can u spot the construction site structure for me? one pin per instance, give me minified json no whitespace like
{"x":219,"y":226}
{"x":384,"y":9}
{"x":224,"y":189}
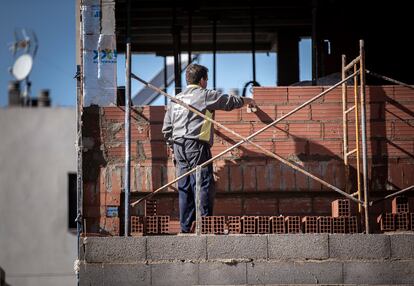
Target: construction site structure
{"x":306,"y":177}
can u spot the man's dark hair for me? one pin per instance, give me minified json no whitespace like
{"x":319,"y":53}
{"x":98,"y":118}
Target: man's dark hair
{"x":195,"y":73}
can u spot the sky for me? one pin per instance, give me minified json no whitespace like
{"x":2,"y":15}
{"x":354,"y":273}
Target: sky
{"x":54,"y":66}
{"x":55,"y":63}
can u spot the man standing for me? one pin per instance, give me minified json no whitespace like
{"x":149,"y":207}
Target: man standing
{"x":190,"y":137}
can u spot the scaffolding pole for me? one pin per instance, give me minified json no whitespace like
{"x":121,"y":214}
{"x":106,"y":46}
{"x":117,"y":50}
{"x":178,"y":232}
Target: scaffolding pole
{"x":357,"y":145}
{"x":79,"y":181}
{"x":127,"y":179}
{"x":360,"y":129}
{"x":364,"y":134}
{"x":79,"y":147}
{"x":389,"y":79}
{"x":392,"y":195}
{"x":198,"y":200}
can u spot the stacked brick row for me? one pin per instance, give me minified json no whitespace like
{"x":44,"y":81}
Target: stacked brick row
{"x":312,"y":138}
{"x":150,"y":225}
{"x":341,"y":221}
{"x":400,"y":218}
{"x":278,"y":224}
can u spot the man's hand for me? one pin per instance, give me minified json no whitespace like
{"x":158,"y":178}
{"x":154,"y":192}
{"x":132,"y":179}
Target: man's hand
{"x":173,"y":157}
{"x":170,"y":153}
{"x":251,"y":104}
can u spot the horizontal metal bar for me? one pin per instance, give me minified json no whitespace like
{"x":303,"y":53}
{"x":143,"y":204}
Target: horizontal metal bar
{"x":350,"y":109}
{"x":351,"y":64}
{"x":391,"y":195}
{"x":354,"y":194}
{"x":351,"y":152}
{"x":389,"y":79}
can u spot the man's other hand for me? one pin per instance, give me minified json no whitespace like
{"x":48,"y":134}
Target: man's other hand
{"x":251,"y":104}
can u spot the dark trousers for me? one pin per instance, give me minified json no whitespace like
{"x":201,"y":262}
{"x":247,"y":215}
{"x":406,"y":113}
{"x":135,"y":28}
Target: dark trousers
{"x":188,"y":154}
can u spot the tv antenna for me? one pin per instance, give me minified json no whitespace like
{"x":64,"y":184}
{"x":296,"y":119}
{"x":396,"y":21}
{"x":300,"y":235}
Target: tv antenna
{"x":24,"y":49}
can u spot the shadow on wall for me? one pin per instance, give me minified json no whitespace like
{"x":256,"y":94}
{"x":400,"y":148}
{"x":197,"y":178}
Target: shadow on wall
{"x":300,"y":151}
{"x":252,"y":183}
{"x":93,"y":158}
{"x":391,"y":130}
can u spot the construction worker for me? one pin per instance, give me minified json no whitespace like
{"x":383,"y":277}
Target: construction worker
{"x":190,"y":138}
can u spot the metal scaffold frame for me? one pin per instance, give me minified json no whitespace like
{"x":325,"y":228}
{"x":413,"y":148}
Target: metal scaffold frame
{"x":360,"y":127}
{"x":248,"y":139}
{"x":358,"y":75}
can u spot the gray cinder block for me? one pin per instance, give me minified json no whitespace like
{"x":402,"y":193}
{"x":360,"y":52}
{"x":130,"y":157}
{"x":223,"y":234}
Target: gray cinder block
{"x":298,"y":246}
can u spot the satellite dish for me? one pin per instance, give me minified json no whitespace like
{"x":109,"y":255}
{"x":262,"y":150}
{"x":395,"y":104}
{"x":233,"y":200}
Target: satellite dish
{"x":22,"y":66}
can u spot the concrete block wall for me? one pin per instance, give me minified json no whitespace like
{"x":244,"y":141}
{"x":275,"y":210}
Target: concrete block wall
{"x":249,"y":260}
{"x":248,"y":182}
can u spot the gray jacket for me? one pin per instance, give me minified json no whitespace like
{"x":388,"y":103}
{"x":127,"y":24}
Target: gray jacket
{"x":180,"y":122}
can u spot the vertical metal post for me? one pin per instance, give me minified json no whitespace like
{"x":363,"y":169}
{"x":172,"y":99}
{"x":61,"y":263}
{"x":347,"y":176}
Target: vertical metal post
{"x":253,"y":34}
{"x":345,"y":122}
{"x":127,"y":135}
{"x":214,"y":51}
{"x":198,"y":200}
{"x":165,"y":79}
{"x":79,"y":188}
{"x":79,"y":149}
{"x":190,"y":27}
{"x":315,"y":45}
{"x":177,"y":51}
{"x":357,"y":132}
{"x":364,"y":134}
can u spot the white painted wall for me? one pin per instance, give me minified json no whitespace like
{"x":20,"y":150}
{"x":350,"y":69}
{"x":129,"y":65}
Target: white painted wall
{"x":37,"y":151}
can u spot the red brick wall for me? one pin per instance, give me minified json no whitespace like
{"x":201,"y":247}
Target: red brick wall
{"x":248,"y":182}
